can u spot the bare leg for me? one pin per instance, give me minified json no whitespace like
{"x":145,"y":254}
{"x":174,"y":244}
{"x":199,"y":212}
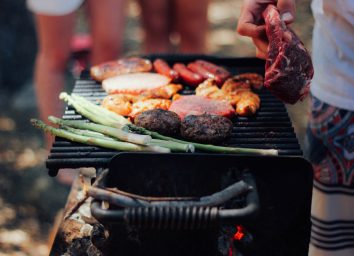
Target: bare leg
{"x":107,"y":20}
{"x":156,"y":24}
{"x":54,"y":34}
{"x":192,"y":24}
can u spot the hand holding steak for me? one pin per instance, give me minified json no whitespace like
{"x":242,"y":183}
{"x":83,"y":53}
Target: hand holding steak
{"x":288,"y":67}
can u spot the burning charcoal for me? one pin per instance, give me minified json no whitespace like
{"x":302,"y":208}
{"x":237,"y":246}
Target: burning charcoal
{"x":98,"y":236}
{"x":79,"y":246}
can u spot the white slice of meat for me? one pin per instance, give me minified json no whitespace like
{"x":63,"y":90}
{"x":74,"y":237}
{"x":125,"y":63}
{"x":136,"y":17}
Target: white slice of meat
{"x":135,"y":83}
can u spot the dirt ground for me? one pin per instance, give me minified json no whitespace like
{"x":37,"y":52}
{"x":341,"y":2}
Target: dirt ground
{"x":29,"y":198}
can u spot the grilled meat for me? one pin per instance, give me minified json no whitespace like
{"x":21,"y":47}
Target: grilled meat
{"x":253,"y":79}
{"x":162,"y":121}
{"x":208,"y":129}
{"x":118,"y":103}
{"x":136,"y":83}
{"x":247,"y":103}
{"x":237,"y":93}
{"x":210,"y":90}
{"x":148,"y":104}
{"x":234,"y":84}
{"x":220,"y":74}
{"x":162,"y":67}
{"x":198,"y":105}
{"x":119,"y":67}
{"x":187,"y":75}
{"x":164,"y":92}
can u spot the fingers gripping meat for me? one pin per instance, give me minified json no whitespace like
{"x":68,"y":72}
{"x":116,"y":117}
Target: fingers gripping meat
{"x":162,"y":67}
{"x":118,"y":67}
{"x":187,"y":75}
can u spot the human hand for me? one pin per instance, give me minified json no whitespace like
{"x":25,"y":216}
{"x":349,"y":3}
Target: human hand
{"x":251,"y":22}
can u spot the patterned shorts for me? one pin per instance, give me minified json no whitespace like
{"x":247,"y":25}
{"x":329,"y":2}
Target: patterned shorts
{"x":331,"y":143}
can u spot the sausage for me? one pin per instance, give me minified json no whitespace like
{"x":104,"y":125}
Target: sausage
{"x":219,"y":72}
{"x":187,"y":75}
{"x":163,"y":68}
{"x":203,"y":72}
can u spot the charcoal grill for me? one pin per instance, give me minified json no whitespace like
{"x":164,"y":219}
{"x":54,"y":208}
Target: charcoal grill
{"x":284,"y":183}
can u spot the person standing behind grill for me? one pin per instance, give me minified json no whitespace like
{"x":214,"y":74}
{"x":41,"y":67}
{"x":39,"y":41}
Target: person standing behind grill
{"x":55,"y":21}
{"x":161,"y":19}
{"x":331,"y":123}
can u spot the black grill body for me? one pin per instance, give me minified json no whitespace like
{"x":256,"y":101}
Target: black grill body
{"x":284,"y":183}
{"x":281,"y":226}
{"x":270,"y":128}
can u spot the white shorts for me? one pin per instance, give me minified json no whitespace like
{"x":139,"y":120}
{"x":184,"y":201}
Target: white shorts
{"x":53,"y":7}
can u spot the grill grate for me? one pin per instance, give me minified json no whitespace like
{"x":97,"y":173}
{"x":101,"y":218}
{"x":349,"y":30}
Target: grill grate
{"x":270,"y":128}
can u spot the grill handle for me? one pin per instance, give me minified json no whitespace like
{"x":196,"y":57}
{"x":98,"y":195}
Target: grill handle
{"x":180,"y":214}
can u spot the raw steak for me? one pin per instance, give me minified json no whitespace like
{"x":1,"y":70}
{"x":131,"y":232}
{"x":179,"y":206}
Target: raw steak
{"x":288,"y":67}
{"x":199,"y":105}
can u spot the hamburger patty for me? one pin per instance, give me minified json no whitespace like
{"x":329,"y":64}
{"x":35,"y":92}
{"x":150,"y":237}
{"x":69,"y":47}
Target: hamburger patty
{"x":162,"y":121}
{"x":209,"y":129}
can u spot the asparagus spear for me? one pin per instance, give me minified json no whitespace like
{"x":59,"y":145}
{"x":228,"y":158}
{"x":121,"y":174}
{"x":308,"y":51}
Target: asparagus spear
{"x":116,"y":145}
{"x":87,"y":133}
{"x":173,"y":146}
{"x":206,"y":147}
{"x":110,"y":131}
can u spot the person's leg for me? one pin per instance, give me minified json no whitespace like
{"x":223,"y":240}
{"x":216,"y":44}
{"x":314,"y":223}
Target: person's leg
{"x":156,"y":23}
{"x":107,"y":20}
{"x":331,"y":153}
{"x":192,"y":24}
{"x":54,"y":34}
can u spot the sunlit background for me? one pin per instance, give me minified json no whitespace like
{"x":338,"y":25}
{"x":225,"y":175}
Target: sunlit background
{"x":29,"y":198}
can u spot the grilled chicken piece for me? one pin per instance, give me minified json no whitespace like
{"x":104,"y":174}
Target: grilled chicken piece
{"x":164,"y":92}
{"x":148,"y":104}
{"x":247,"y":103}
{"x":120,"y":103}
{"x":233,"y":85}
{"x":254,"y":79}
{"x":237,"y":93}
{"x":124,"y":104}
{"x":119,"y":67}
{"x":243,"y":81}
{"x":210,"y":89}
